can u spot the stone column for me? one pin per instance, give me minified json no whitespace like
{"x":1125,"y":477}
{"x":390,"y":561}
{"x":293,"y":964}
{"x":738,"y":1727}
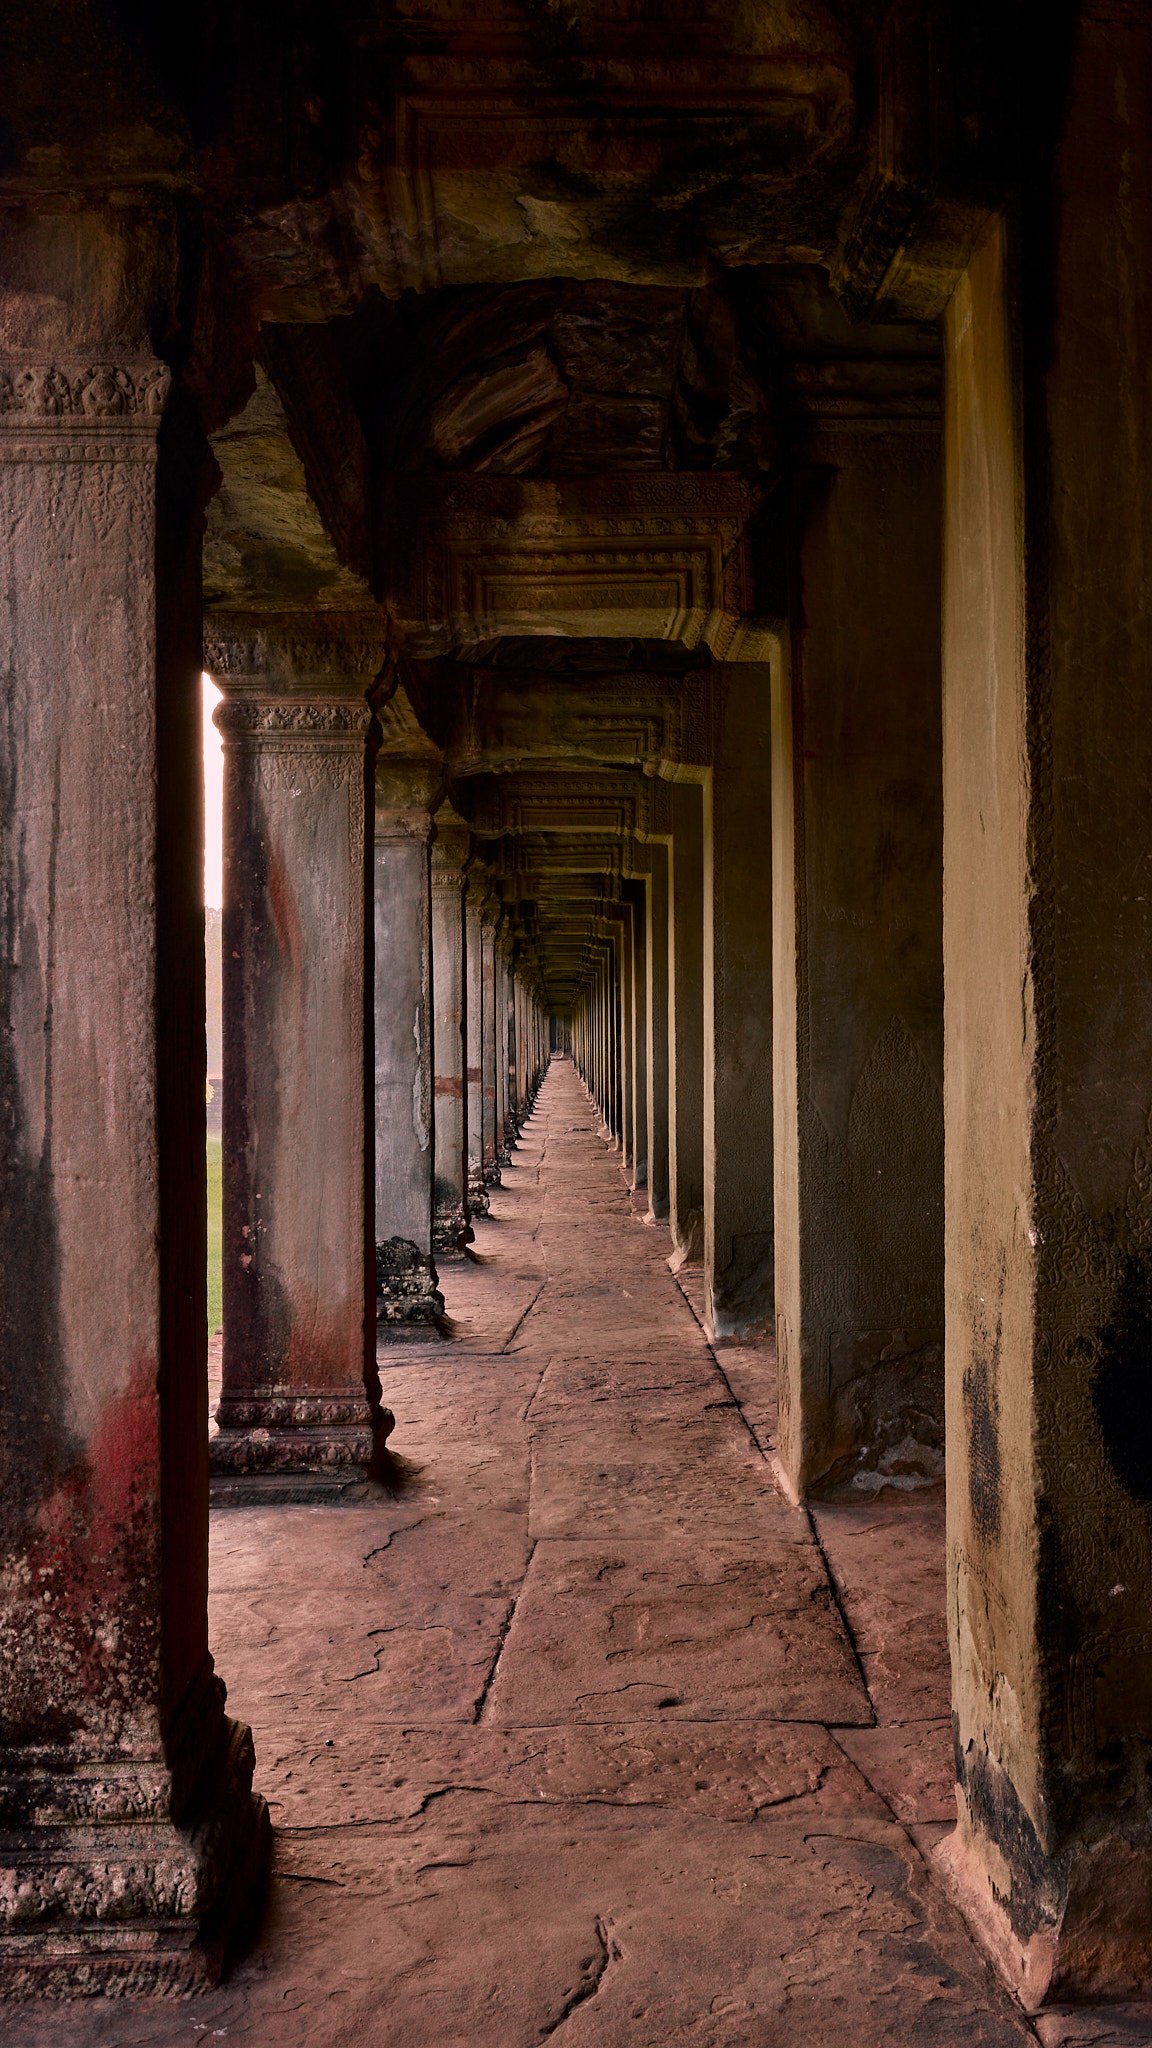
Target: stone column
{"x":856,"y":860}
{"x":615,"y":1033}
{"x":523,"y":1048}
{"x":489,"y":1038}
{"x":738,"y":1246}
{"x":513,"y":1048}
{"x":505,"y":1135}
{"x":407,"y":1291}
{"x":627,"y":1059}
{"x":639,"y":905}
{"x":130,"y":1841}
{"x":1048,"y":1049}
{"x":450,"y":850}
{"x":300,"y":1392}
{"x":653,"y":859}
{"x":475,"y":896}
{"x":686,"y":1026}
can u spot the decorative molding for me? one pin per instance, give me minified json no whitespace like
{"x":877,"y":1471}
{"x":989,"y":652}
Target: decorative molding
{"x":79,"y":392}
{"x":661,"y":557}
{"x":104,"y":1887}
{"x":292,"y":721}
{"x":327,"y":653}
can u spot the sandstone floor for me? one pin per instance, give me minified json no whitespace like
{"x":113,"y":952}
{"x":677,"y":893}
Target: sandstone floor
{"x":586,"y":1735}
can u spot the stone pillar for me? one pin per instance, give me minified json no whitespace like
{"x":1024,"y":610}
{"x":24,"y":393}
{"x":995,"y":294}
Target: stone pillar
{"x":627,"y":1060}
{"x":130,"y":1842}
{"x":639,"y":905}
{"x":654,"y":858}
{"x":1048,"y":1052}
{"x":615,"y":1033}
{"x":300,"y":1392}
{"x":513,"y":1049}
{"x":505,"y":1135}
{"x":489,"y":1039}
{"x":856,"y":862}
{"x":407,"y":1292}
{"x":475,"y":895}
{"x":450,"y":849}
{"x":738,"y":1247}
{"x":686,"y":1026}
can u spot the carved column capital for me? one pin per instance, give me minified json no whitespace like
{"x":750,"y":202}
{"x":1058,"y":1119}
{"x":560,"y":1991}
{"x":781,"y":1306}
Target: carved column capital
{"x":254,"y":717}
{"x":451,"y":849}
{"x":80,"y":408}
{"x":285,"y":655}
{"x":405,"y":794}
{"x":478,"y":884}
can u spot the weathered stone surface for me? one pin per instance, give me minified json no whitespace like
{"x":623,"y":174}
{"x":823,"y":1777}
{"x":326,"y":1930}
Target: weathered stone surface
{"x":602,"y":1633}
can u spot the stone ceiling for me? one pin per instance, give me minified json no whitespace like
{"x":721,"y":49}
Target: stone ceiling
{"x":516,"y":316}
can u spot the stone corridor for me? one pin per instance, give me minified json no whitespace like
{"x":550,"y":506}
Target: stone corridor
{"x":586,"y":1733}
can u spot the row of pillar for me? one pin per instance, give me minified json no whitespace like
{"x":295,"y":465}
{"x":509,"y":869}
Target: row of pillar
{"x":128,"y":1830}
{"x":376,"y":1067}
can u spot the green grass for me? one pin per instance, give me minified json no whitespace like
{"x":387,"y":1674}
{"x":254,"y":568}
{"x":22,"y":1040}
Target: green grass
{"x":215,"y":1247}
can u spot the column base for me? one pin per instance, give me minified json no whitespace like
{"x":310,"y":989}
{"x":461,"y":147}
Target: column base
{"x":451,"y":1230}
{"x":1088,"y":1941}
{"x":406,"y":1289}
{"x":131,"y":1878}
{"x":492,"y":1174}
{"x":688,"y":1243}
{"x":478,"y":1203}
{"x":268,"y":1431}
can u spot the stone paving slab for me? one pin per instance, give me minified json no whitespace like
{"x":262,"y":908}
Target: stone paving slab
{"x":366,"y":1772}
{"x":910,"y":1765}
{"x":735,"y":1630}
{"x":483,"y":1925}
{"x":696,"y":1476}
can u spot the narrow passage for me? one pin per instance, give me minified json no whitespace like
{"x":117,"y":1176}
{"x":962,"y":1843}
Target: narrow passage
{"x":573,"y":1739}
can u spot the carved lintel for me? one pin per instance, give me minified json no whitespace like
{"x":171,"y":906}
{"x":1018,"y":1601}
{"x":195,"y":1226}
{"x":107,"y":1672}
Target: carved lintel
{"x":660,"y":557}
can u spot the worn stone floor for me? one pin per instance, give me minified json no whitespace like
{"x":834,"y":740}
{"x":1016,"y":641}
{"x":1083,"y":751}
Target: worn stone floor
{"x":586,"y":1734}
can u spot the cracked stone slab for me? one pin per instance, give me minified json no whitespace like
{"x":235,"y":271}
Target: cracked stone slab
{"x":750,"y":1370}
{"x":622,"y":1477}
{"x":368,"y":1774}
{"x":254,"y":1548}
{"x":910,"y":1765}
{"x":305,"y":1659}
{"x":888,"y":1559}
{"x":630,"y":1930}
{"x":656,"y":1387}
{"x":735,"y":1630}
